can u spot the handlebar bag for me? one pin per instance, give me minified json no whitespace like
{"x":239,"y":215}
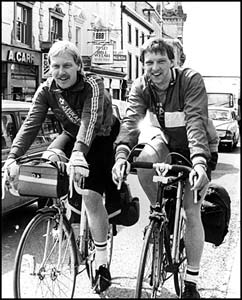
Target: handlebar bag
{"x":43,"y":179}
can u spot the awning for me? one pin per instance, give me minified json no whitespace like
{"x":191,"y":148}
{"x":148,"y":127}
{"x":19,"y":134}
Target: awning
{"x":110,"y":73}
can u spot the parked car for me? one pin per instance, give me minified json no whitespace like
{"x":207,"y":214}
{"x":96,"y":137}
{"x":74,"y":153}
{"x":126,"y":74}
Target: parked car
{"x":13,"y":115}
{"x":221,"y":99}
{"x":226,"y":124}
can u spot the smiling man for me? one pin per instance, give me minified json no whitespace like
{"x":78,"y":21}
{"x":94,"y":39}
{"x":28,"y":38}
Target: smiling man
{"x":177,"y":98}
{"x":89,"y":128}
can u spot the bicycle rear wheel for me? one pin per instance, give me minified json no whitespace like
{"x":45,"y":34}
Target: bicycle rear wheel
{"x":181,"y":262}
{"x":45,"y":263}
{"x":151,"y":272}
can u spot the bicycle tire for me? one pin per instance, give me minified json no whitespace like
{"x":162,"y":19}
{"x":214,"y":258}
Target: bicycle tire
{"x":181,"y":263}
{"x":38,"y":278}
{"x":152,"y":267}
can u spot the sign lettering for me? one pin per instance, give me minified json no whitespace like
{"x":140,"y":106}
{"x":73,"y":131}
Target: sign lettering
{"x":21,"y":57}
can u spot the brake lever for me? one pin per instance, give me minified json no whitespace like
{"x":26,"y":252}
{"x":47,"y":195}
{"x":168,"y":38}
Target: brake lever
{"x":123,"y":168}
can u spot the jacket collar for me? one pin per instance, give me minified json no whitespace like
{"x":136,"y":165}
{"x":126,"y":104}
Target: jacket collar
{"x":78,"y":86}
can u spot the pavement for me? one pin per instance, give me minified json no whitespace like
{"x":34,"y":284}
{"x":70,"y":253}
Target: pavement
{"x":234,"y":285}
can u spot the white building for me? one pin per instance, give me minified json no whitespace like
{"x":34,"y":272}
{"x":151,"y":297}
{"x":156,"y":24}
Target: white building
{"x":108,"y":34}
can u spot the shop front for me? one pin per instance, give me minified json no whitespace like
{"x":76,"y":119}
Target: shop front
{"x":20,"y":73}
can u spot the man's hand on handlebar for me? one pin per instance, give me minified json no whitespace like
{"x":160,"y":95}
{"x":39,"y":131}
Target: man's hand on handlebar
{"x":10,"y":172}
{"x":198,"y":177}
{"x":77,"y":169}
{"x":120,"y":170}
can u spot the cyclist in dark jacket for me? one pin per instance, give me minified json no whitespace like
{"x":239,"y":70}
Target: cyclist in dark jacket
{"x":177,"y":99}
{"x":79,"y":101}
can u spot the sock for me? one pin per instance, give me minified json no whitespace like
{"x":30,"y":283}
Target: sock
{"x":101,"y":254}
{"x":192,"y":274}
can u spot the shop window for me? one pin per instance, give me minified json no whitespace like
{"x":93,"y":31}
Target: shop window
{"x":23,"y":24}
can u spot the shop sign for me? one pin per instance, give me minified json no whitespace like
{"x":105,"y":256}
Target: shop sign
{"x":45,"y":66}
{"x":102,"y":54}
{"x":100,"y":36}
{"x":120,"y":59}
{"x":21,"y":57}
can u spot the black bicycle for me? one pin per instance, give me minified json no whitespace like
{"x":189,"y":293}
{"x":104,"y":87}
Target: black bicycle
{"x":163,"y":253}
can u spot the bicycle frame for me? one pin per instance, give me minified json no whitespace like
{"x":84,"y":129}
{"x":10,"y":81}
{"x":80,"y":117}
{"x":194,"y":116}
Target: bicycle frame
{"x":170,"y":255}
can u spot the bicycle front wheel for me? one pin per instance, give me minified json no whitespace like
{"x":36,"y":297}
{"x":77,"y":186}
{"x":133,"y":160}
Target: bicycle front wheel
{"x":46,"y":259}
{"x":152,"y":262}
{"x":181,"y":261}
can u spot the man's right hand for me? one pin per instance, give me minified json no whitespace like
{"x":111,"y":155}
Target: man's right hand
{"x":11,"y":167}
{"x":117,"y":170}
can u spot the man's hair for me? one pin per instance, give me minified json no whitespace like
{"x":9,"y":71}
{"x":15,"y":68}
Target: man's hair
{"x":156,"y":45}
{"x":61,"y":47}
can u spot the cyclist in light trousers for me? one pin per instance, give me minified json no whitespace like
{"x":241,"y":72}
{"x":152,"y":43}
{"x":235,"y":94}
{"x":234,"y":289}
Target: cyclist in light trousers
{"x":177,"y":99}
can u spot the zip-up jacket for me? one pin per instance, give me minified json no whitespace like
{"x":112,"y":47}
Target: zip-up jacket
{"x":183,"y":116}
{"x":88,"y":113}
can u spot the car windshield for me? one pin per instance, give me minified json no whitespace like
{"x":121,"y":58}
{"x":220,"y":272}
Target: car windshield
{"x":221,"y":115}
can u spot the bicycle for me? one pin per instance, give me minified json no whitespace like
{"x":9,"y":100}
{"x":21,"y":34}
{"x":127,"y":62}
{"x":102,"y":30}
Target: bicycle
{"x":163,"y":251}
{"x":49,"y":257}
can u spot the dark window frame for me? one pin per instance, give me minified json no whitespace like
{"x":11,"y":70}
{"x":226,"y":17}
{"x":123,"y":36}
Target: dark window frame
{"x":137,"y":66}
{"x":130,"y":65}
{"x":129,"y":33}
{"x":136,"y":37}
{"x":23,"y":27}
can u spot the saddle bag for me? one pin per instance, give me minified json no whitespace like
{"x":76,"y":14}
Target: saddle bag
{"x":215,"y":213}
{"x":43,"y":179}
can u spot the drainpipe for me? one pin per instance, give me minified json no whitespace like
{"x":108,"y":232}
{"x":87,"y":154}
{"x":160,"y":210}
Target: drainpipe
{"x":121,"y":21}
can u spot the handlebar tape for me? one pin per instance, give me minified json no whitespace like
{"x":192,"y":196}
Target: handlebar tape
{"x":142,"y":164}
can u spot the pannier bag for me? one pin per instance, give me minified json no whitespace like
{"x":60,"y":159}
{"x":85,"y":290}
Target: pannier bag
{"x":215,"y":213}
{"x":122,"y":208}
{"x":43,"y":178}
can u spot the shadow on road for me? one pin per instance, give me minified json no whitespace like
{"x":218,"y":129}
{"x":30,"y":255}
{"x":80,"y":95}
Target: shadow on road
{"x":13,"y":225}
{"x":117,"y":291}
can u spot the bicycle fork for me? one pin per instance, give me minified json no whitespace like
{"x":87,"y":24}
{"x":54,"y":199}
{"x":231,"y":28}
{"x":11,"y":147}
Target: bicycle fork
{"x":177,"y":225}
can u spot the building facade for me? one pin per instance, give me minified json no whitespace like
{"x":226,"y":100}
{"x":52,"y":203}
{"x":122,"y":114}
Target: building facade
{"x":108,"y":34}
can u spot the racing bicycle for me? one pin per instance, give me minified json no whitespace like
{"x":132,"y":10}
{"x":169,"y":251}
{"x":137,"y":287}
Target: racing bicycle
{"x":163,"y":252}
{"x":49,"y":257}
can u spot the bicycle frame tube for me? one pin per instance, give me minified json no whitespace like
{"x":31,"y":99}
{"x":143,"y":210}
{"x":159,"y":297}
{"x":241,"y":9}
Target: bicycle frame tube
{"x":177,"y":223}
{"x":83,"y":228}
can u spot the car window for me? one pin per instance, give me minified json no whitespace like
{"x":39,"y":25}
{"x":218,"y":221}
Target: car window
{"x":8,"y":130}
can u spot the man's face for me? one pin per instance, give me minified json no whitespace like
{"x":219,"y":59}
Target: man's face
{"x":157,"y":67}
{"x":64,"y":70}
